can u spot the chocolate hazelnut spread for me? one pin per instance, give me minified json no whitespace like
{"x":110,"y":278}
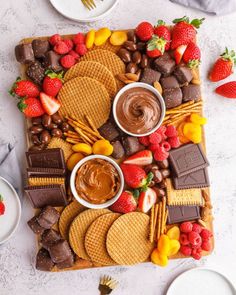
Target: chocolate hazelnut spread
{"x":97,"y":181}
{"x":138,"y":110}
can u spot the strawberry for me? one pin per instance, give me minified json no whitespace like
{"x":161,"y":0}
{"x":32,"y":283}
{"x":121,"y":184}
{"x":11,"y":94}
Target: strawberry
{"x":24,"y":88}
{"x":178,"y":53}
{"x":67,"y":61}
{"x":227,"y":89}
{"x":161,"y":30}
{"x":2,"y":206}
{"x":50,"y":104}
{"x":81,"y":49}
{"x":61,"y":48}
{"x":52,"y":83}
{"x":135,"y":176}
{"x":79,"y":39}
{"x":192,"y":55}
{"x":141,"y":158}
{"x":156,"y":46}
{"x":223,"y":67}
{"x":144,"y":31}
{"x":147,"y":199}
{"x":54,"y":39}
{"x":125,"y":204}
{"x":184,"y":32}
{"x":31,"y":107}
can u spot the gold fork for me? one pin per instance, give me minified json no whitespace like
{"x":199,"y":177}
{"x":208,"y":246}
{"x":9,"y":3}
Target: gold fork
{"x":107,"y":285}
{"x":89,"y":4}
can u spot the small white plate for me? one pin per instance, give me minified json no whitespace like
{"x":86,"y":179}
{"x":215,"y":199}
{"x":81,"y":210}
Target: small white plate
{"x":75,"y":9}
{"x":11,"y":218}
{"x":202,"y":281}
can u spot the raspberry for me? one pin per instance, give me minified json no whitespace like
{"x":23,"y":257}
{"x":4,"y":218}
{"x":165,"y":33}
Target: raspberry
{"x":186,"y":227}
{"x":198,"y":245}
{"x":144,"y":140}
{"x":67,"y":61}
{"x":153,"y":147}
{"x":81,"y":49}
{"x":161,"y":154}
{"x":155,"y":138}
{"x":206,"y":246}
{"x":206,"y":234}
{"x":171,"y":131}
{"x":61,"y":48}
{"x":79,"y":39}
{"x":54,"y":39}
{"x":196,"y":254}
{"x":69,"y":44}
{"x":185,"y":250}
{"x":75,"y":54}
{"x":183,"y":239}
{"x":165,"y":145}
{"x":174,"y":142}
{"x":197,"y":228}
{"x":162,"y":131}
{"x":194,"y":238}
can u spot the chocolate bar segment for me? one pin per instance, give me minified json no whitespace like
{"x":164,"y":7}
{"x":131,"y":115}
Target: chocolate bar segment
{"x":49,"y":237}
{"x":172,"y":97}
{"x":34,"y":226}
{"x":51,"y":61}
{"x":195,"y":179}
{"x":118,"y":150}
{"x":187,"y":158}
{"x":149,"y":76}
{"x":50,"y":158}
{"x":41,"y":196}
{"x":24,"y":53}
{"x":109,"y":131}
{"x":164,"y":64}
{"x":44,"y":261}
{"x":132,"y":145}
{"x":191,"y":92}
{"x":66,"y":263}
{"x":45,"y":172}
{"x":60,"y":251}
{"x":178,"y":214}
{"x":40,"y":47}
{"x":48,"y":217}
{"x":169,"y":82}
{"x":183,"y":74}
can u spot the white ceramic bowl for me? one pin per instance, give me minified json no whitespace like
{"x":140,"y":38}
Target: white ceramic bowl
{"x":84,"y":202}
{"x":150,"y":88}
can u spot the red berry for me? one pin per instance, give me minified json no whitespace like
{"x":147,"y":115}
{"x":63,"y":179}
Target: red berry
{"x":161,"y":154}
{"x":24,"y":88}
{"x":185,"y":250}
{"x":69,"y":43}
{"x":196,"y":254}
{"x":74,"y":54}
{"x":183,"y":239}
{"x":144,"y":140}
{"x":206,"y":245}
{"x":206,"y":234}
{"x":153,"y":53}
{"x":67,"y":61}
{"x":194,"y":238}
{"x":165,"y":145}
{"x":79,"y":39}
{"x":162,"y":131}
{"x":174,"y":142}
{"x":155,"y":138}
{"x":54,"y":39}
{"x":161,"y":30}
{"x":144,"y":31}
{"x":61,"y":48}
{"x":197,"y":228}
{"x":81,"y":49}
{"x":171,"y":131}
{"x":227,"y":90}
{"x":186,"y":227}
{"x":153,"y":147}
{"x":52,"y":83}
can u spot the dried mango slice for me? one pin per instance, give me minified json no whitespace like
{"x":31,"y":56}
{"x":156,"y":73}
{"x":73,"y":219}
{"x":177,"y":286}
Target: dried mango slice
{"x":118,"y":38}
{"x":158,"y":258}
{"x":163,"y":244}
{"x":102,"y":147}
{"x":73,"y":160}
{"x":101,"y":36}
{"x":197,"y":119}
{"x":173,"y":233}
{"x":90,"y":37}
{"x":181,"y":136}
{"x":193,"y":132}
{"x":174,"y":247}
{"x":83,"y":148}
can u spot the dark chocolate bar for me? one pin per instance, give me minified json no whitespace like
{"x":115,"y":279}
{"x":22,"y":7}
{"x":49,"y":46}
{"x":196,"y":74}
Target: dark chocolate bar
{"x":50,"y":158}
{"x":178,"y":214}
{"x":195,"y":179}
{"x":187,"y":159}
{"x":52,"y":195}
{"x":45,"y":172}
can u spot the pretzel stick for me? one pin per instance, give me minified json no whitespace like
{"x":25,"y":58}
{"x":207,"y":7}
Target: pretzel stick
{"x":155,"y":221}
{"x":165,"y":219}
{"x":75,"y":136}
{"x":71,"y":140}
{"x":175,"y":120}
{"x":92,"y":125}
{"x":84,"y":136}
{"x":182,"y":111}
{"x":159,"y":221}
{"x":151,"y":225}
{"x":163,"y":214}
{"x":85,"y":128}
{"x":191,"y":102}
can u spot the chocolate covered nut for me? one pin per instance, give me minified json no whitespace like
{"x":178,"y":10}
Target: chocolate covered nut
{"x":165,"y":173}
{"x":141,"y":46}
{"x":131,"y":68}
{"x":149,"y":167}
{"x":52,"y":126}
{"x":51,"y":61}
{"x":36,"y":148}
{"x":35,"y":72}
{"x":130,"y":45}
{"x":60,"y":251}
{"x":164,"y":64}
{"x":144,"y":61}
{"x":136,"y":57}
{"x":36,"y":120}
{"x":169,"y":82}
{"x":66,"y":263}
{"x":56,"y":132}
{"x":36,"y":129}
{"x":65,"y":127}
{"x":40,"y":47}
{"x":34,"y":226}
{"x":108,"y":131}
{"x":44,"y":261}
{"x":48,"y":217}
{"x":56,"y":118}
{"x":162,"y":184}
{"x":49,"y":237}
{"x":131,"y":145}
{"x":46,"y":120}
{"x":172,"y":97}
{"x":35,"y":139}
{"x":45,"y":137}
{"x":191,"y":92}
{"x":24,"y":53}
{"x":159,"y":191}
{"x":124,"y":54}
{"x":163,"y":164}
{"x":149,"y":76}
{"x":157,"y":175}
{"x":183,"y":74}
{"x":118,"y":150}
{"x":131,"y":36}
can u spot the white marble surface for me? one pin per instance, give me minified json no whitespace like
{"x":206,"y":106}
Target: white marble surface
{"x":23,"y":18}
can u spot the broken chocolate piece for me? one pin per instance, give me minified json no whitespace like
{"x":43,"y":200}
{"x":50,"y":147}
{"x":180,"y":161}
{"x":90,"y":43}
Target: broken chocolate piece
{"x":44,"y":261}
{"x":169,"y":82}
{"x":34,"y":226}
{"x":132,"y":145}
{"x":178,"y":214}
{"x":35,"y":72}
{"x":197,"y":179}
{"x":48,"y":217}
{"x":118,"y":150}
{"x":51,"y":61}
{"x":66,"y":263}
{"x":149,"y":76}
{"x":49,"y":237}
{"x":183,"y":74}
{"x":40,"y":47}
{"x":60,"y":251}
{"x":191,"y":92}
{"x":164,"y":64}
{"x":172,"y":97}
{"x":108,"y":131}
{"x":24,"y":53}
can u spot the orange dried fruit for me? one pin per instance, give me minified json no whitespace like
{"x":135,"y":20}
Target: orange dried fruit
{"x":197,"y":119}
{"x":101,"y":36}
{"x":193,"y":132}
{"x":163,"y":244}
{"x":83,"y":148}
{"x":158,"y":258}
{"x":173,"y":233}
{"x":73,"y":160}
{"x":102,"y":147}
{"x":90,"y":37}
{"x":118,"y":38}
{"x":174,"y":247}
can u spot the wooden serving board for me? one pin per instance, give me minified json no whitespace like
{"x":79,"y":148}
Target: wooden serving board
{"x":81,"y":263}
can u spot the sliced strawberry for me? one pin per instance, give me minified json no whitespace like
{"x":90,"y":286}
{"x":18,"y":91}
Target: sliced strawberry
{"x":50,"y":104}
{"x":2,"y":206}
{"x":147,"y":199}
{"x":227,"y":90}
{"x":141,"y":158}
{"x":125,"y":204}
{"x":178,"y":53}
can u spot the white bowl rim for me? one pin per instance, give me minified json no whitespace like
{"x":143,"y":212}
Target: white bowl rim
{"x":84,"y":202}
{"x":153,"y":90}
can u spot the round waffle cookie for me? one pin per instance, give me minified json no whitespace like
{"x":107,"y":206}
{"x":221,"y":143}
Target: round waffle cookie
{"x":85,"y":96}
{"x":79,"y":227}
{"x":95,"y":239}
{"x":108,"y":46}
{"x":127,"y":239}
{"x":93,"y":70}
{"x":67,"y":216}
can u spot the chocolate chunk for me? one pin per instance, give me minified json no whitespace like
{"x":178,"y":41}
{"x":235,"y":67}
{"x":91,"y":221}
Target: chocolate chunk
{"x":187,"y":159}
{"x":44,"y":261}
{"x":191,"y":92}
{"x":132,"y":145}
{"x":50,"y":158}
{"x":60,"y":251}
{"x":195,"y":179}
{"x":183,"y":74}
{"x":51,"y":61}
{"x":40,"y":47}
{"x":49,"y":237}
{"x":163,"y":164}
{"x":164,"y":64}
{"x":66,"y":263}
{"x":149,"y":76}
{"x":24,"y":53}
{"x":45,"y":172}
{"x":48,"y":217}
{"x":178,"y":214}
{"x":172,"y":97}
{"x":34,"y":226}
{"x":169,"y":82}
{"x":118,"y":150}
{"x":108,"y":131}
{"x":35,"y":72}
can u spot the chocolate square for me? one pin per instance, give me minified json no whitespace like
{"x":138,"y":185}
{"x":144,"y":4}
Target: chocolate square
{"x":132,"y":145}
{"x":60,"y":251}
{"x":172,"y":97}
{"x":183,"y":74}
{"x":51,"y":61}
{"x":40,"y":47}
{"x":66,"y":263}
{"x":48,"y":217}
{"x":118,"y":150}
{"x":45,"y":172}
{"x":44,"y":261}
{"x":49,"y":237}
{"x":178,"y":214}
{"x":24,"y":53}
{"x":149,"y":76}
{"x":197,"y":179}
{"x":169,"y":82}
{"x":36,"y":72}
{"x":108,"y":131}
{"x":164,"y":64}
{"x":191,"y":92}
{"x":34,"y":226}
